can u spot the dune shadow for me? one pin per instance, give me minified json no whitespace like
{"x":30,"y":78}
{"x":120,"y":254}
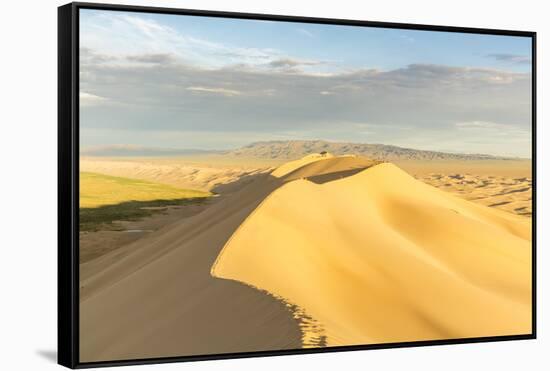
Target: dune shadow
{"x":222,"y":309}
{"x":329,"y":177}
{"x":237,"y":184}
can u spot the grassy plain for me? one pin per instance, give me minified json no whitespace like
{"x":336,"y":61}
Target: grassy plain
{"x":105,"y":199}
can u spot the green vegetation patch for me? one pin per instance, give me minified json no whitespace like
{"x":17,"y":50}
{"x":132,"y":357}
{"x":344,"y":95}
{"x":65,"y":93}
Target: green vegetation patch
{"x":99,"y":190}
{"x":105,"y":199}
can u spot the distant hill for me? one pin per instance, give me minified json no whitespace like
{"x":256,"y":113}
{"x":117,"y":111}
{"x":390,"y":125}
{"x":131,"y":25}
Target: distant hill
{"x":298,"y":148}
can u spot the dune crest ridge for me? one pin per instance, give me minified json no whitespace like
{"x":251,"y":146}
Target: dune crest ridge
{"x":376,"y":256}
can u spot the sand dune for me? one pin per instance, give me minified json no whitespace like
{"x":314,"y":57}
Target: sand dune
{"x":380,"y":257}
{"x":332,"y":251}
{"x":291,"y":166}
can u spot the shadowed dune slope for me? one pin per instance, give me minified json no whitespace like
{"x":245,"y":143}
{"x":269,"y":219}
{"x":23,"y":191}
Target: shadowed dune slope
{"x":156,"y":297}
{"x":381,"y":257}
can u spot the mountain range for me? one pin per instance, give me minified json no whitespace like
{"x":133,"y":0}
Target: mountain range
{"x":290,"y":150}
{"x":298,"y":148}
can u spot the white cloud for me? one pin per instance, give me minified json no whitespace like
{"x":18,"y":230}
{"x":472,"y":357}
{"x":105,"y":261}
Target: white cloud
{"x":291,"y":62}
{"x":305,"y":32}
{"x":87,"y":99}
{"x":493,"y":127}
{"x":511,"y":58}
{"x":159,"y":58}
{"x":217,"y":91}
{"x":148,"y":27}
{"x":299,"y":66}
{"x":117,"y":39}
{"x":477,"y":125}
{"x":118,"y":35}
{"x":407,"y":38}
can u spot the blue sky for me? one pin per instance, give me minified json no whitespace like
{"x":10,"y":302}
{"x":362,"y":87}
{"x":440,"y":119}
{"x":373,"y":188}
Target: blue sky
{"x":199,"y":82}
{"x":350,"y":46}
{"x":358,"y":46}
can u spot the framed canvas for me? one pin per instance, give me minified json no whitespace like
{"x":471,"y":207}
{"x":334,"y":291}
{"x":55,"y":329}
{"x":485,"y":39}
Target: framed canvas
{"x":240,"y":185}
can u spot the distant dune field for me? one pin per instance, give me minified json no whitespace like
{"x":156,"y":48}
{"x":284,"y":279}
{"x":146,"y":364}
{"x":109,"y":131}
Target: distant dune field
{"x":511,"y":194}
{"x":368,"y":253}
{"x":204,"y":173}
{"x":503,"y":168}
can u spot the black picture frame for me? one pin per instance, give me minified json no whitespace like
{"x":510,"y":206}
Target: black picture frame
{"x":68,"y":181}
